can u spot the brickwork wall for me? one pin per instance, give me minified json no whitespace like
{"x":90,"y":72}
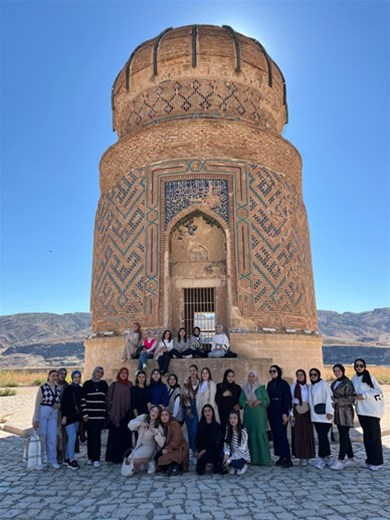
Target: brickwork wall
{"x":202,"y":134}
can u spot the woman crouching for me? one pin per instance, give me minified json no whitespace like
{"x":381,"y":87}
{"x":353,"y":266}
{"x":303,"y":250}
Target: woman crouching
{"x":209,"y":442}
{"x":150,"y":439}
{"x":173,"y":458}
{"x":236,"y":450}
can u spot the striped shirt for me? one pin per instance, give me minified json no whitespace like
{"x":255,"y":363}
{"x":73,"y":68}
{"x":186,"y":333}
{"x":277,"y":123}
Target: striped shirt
{"x":238,"y":451}
{"x":93,"y":400}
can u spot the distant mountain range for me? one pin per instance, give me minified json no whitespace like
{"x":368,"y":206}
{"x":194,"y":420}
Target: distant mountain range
{"x":43,"y":339}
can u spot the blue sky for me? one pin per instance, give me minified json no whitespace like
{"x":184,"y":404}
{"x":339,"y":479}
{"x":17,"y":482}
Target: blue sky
{"x":58,"y":63}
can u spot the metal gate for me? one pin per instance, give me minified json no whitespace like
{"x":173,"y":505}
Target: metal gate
{"x":199,"y":311}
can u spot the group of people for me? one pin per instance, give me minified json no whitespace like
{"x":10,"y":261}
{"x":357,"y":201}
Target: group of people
{"x":147,"y":347}
{"x":145,"y":420}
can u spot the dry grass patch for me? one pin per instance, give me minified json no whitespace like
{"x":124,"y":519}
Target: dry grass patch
{"x":12,"y":378}
{"x":381,"y":373}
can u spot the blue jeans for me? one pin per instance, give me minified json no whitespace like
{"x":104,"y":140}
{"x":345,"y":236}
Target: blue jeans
{"x":71,"y":431}
{"x":48,"y":417}
{"x":191,"y":425}
{"x":142,"y":359}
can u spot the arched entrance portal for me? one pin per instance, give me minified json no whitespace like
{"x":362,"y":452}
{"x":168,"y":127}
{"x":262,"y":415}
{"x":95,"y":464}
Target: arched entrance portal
{"x":198,"y":273}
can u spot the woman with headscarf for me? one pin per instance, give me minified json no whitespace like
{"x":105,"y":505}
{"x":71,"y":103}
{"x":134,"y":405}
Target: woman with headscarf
{"x":227,"y":397}
{"x":94,"y":410}
{"x":206,"y":393}
{"x":343,"y":399}
{"x":219,"y":343}
{"x":321,"y":412}
{"x":174,"y":398}
{"x":174,"y":455}
{"x":302,"y":435}
{"x":71,"y":417}
{"x":195,"y":345}
{"x":254,"y":400}
{"x":45,"y":418}
{"x":369,"y":408}
{"x":278,"y":415}
{"x":150,"y":439}
{"x":209,"y":441}
{"x":133,"y":340}
{"x":119,"y":413}
{"x":145,"y":350}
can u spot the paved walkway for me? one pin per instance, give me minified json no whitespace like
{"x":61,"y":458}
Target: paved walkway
{"x":262,"y":493}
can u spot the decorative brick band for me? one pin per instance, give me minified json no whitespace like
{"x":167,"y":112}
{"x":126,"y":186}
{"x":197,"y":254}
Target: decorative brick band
{"x":198,"y":97}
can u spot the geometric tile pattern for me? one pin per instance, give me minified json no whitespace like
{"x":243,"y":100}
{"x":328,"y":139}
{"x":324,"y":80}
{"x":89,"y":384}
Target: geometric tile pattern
{"x":196,"y":97}
{"x":118,"y":270}
{"x":261,"y":212}
{"x":282,"y":278}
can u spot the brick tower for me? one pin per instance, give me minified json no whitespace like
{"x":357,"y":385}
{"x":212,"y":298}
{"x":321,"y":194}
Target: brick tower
{"x":201,"y":213}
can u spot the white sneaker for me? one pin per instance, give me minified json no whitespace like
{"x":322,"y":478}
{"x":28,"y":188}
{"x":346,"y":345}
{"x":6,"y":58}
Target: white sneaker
{"x":374,"y":468}
{"x":151,"y":467}
{"x":90,"y":462}
{"x":55,"y":466}
{"x":232,"y":471}
{"x":144,"y":366}
{"x":320,"y":464}
{"x":96,"y":464}
{"x":242,"y":470}
{"x":366,"y":466}
{"x":338,"y":465}
{"x":349,"y":463}
{"x":137,"y":372}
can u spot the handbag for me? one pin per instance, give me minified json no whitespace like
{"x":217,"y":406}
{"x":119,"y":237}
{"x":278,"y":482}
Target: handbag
{"x":302,"y":408}
{"x":127,"y":468}
{"x":320,"y":408}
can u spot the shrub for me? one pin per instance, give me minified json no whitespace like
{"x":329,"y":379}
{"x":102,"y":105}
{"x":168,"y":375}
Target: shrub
{"x":6,"y":392}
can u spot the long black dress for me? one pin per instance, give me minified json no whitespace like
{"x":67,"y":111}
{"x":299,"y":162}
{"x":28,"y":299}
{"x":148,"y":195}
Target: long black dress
{"x":119,"y":436}
{"x":210,"y":439}
{"x":226,"y":404}
{"x":280,"y":403}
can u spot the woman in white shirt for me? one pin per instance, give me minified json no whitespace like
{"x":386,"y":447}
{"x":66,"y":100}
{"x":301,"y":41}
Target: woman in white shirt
{"x":369,"y":408}
{"x":219,"y":343}
{"x":321,"y":411}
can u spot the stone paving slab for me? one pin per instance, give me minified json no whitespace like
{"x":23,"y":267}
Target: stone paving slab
{"x":261,"y":494}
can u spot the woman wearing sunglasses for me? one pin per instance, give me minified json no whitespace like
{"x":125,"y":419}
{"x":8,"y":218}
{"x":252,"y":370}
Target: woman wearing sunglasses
{"x":321,"y":411}
{"x":278,"y":415}
{"x":369,"y":409}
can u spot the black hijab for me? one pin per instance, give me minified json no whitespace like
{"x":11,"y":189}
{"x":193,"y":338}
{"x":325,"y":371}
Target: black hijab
{"x":366,"y":374}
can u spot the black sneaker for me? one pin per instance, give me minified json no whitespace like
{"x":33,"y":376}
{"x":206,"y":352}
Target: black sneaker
{"x":66,"y":462}
{"x":74,"y":465}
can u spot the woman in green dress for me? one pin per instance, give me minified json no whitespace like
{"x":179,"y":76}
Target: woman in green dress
{"x":254,"y":400}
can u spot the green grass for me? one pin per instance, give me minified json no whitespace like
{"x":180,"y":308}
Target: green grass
{"x":6,"y":392}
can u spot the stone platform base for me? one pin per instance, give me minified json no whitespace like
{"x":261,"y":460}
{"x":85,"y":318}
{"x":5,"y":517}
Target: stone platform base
{"x":255,"y":351}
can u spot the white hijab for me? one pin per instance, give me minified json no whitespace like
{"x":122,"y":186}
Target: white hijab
{"x":249,"y":389}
